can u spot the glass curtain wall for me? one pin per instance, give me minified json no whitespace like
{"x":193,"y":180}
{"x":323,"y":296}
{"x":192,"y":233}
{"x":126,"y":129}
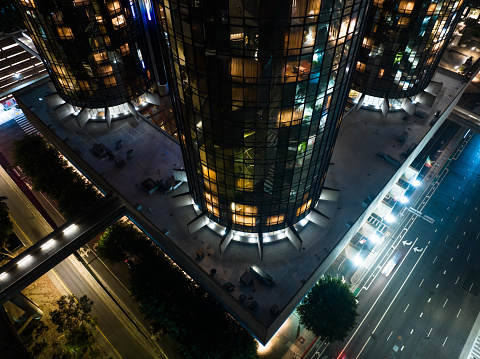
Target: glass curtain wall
{"x":260,"y":88}
{"x":404,"y":41}
{"x":95,"y":51}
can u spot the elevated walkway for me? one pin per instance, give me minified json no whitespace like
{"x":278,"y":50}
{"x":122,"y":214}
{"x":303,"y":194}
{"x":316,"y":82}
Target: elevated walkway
{"x":38,"y":259}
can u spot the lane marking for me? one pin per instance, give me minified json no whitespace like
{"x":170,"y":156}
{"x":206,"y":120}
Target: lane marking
{"x":421,"y":283}
{"x":444,"y":341}
{"x":471,"y":285}
{"x":411,"y":331}
{"x":406,"y":307}
{"x":429,"y":299}
{"x":378,"y":298}
{"x":444,"y":304}
{"x":390,"y":335}
{"x":434,"y":259}
{"x":445,"y":271}
{"x":429,"y":332}
{"x":457,"y":280}
{"x":459,"y":312}
{"x":437,"y":285}
{"x":468,"y":257}
{"x":421,"y":314}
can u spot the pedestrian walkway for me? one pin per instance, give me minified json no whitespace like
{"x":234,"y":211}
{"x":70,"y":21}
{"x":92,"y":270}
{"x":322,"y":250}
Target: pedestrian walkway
{"x":26,"y":126}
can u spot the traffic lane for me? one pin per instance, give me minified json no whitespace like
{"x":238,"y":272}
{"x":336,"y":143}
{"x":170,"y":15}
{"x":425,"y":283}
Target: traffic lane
{"x":110,"y":322}
{"x":436,"y":235}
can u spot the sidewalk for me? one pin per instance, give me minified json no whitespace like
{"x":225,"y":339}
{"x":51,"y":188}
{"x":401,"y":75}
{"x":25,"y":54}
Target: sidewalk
{"x":290,"y":342}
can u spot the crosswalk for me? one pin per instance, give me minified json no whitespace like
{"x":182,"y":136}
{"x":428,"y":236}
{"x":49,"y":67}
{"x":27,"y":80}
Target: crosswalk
{"x":475,"y":350}
{"x":26,"y":126}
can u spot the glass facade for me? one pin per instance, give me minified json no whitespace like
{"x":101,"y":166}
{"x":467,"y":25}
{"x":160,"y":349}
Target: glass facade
{"x":95,"y":51}
{"x":259,"y":88}
{"x":403,"y":43}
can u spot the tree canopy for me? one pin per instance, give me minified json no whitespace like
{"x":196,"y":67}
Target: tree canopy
{"x":121,"y":240}
{"x":6,"y":225}
{"x":51,"y":174}
{"x":329,"y":310}
{"x":173,"y":302}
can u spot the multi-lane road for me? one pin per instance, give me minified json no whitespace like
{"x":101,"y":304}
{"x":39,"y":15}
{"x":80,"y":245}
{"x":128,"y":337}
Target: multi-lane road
{"x":119,"y":337}
{"x":426,"y":307}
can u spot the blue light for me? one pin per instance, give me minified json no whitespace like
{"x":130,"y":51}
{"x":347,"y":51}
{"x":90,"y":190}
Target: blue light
{"x":133,"y":10}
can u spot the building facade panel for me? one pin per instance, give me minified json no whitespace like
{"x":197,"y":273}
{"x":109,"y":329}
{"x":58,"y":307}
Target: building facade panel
{"x":95,"y":51}
{"x":260,"y":88}
{"x":404,"y":41}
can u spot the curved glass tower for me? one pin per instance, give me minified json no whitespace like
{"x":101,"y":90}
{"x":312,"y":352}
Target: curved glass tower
{"x":95,"y":51}
{"x":404,"y":41}
{"x":260,"y":87}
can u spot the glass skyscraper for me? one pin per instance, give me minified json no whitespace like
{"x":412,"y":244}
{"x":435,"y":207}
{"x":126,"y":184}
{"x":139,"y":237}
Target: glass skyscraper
{"x":260,"y":88}
{"x":95,"y":51}
{"x":403,"y":43}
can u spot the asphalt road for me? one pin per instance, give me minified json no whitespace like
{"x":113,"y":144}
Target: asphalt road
{"x":427,"y":306}
{"x":120,"y":338}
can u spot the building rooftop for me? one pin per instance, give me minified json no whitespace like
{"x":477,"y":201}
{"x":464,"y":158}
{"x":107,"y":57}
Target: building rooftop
{"x":355,"y":170}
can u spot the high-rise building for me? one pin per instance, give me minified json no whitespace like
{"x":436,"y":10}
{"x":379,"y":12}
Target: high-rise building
{"x":403,"y":43}
{"x":260,"y":88}
{"x":96,"y":52}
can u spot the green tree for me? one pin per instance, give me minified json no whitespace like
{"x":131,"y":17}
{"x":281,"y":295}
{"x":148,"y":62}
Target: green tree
{"x":6,"y":226}
{"x":329,"y":310}
{"x":72,"y":312}
{"x":51,"y":174}
{"x":123,"y":239}
{"x":176,"y":304}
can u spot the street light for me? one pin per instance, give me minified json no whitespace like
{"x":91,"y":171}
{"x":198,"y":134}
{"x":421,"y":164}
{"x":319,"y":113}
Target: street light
{"x":375,"y":238}
{"x":403,"y":199}
{"x":357,"y":260}
{"x":416,"y":183}
{"x":389,"y":218}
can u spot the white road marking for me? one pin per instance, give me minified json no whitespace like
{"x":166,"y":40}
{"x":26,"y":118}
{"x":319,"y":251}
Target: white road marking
{"x":437,"y":285}
{"x":445,"y":271}
{"x":457,"y":280}
{"x":429,"y":299}
{"x":470,"y":287}
{"x":429,"y":332}
{"x":411,"y":331}
{"x":444,"y":341}
{"x":444,"y":304}
{"x":446,"y":239}
{"x":478,"y":234}
{"x":458,"y":246}
{"x":441,"y":220}
{"x":468,"y":257}
{"x":459,"y":312}
{"x":456,"y":219}
{"x":390,"y":335}
{"x":465,"y":200}
{"x":464,"y":233}
{"x":421,"y":283}
{"x":435,"y":230}
{"x":434,"y":259}
{"x":406,"y":308}
{"x":421,"y":314}
{"x":403,"y":346}
{"x":391,"y":303}
{"x":451,"y":259}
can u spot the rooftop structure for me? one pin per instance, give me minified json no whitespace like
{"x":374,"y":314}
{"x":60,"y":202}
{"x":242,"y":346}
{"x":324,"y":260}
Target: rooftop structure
{"x":260,"y":90}
{"x":96,"y":53}
{"x":404,"y":41}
